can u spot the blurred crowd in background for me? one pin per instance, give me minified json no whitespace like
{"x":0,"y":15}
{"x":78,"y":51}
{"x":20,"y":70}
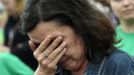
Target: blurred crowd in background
{"x":16,"y":57}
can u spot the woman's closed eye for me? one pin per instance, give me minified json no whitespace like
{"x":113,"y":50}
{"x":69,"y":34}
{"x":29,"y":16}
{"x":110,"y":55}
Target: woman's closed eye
{"x":36,"y":45}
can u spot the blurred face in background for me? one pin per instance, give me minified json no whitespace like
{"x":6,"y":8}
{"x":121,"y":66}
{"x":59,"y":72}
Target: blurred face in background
{"x":10,"y":6}
{"x":124,"y":9}
{"x":3,"y":16}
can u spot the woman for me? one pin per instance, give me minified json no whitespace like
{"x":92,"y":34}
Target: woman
{"x":69,"y":37}
{"x":124,"y":9}
{"x":13,"y":38}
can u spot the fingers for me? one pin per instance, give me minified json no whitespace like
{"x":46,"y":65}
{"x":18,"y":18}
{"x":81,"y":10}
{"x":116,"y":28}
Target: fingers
{"x":53,"y":65}
{"x":57,"y":51}
{"x":44,"y":49}
{"x":57,"y":59}
{"x":44,"y":44}
{"x":52,"y":53}
{"x":53,"y":46}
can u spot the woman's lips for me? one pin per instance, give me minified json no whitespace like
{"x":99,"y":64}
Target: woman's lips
{"x":128,"y":11}
{"x":66,"y":62}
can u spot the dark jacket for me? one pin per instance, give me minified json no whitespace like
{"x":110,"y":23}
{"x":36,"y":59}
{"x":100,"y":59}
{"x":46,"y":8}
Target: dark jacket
{"x":117,"y":63}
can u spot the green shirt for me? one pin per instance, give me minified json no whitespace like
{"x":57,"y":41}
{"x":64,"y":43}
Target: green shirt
{"x":1,"y":36}
{"x":11,"y":65}
{"x":126,"y":41}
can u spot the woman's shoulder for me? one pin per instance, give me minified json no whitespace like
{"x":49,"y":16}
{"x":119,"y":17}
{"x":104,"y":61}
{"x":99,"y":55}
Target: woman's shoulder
{"x":120,"y":63}
{"x":119,"y":56}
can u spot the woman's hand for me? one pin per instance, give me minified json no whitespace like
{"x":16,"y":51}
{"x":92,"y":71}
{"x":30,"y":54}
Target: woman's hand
{"x":48,"y":54}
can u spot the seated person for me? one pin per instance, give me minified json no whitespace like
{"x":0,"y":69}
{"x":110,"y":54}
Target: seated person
{"x":9,"y":64}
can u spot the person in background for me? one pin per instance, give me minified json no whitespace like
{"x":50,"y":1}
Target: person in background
{"x":15,"y":40}
{"x":69,"y":37}
{"x":124,"y":9}
{"x":3,"y":20}
{"x":104,"y":7}
{"x":9,"y":64}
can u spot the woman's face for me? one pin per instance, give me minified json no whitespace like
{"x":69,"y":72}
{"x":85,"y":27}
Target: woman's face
{"x":10,"y":6}
{"x":124,"y":9}
{"x":75,"y":52}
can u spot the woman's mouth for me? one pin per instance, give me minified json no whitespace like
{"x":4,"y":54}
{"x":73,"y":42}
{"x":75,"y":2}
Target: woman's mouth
{"x":128,"y":11}
{"x":64,"y":60}
{"x":66,"y":63}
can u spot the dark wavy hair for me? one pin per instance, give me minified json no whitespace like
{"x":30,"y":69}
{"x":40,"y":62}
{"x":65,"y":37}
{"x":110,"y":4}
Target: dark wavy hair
{"x":91,"y":26}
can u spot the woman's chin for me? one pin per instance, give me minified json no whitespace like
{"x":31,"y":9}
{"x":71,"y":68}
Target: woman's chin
{"x":70,"y":67}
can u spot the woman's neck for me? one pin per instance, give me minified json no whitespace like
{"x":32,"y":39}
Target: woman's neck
{"x":127,"y":26}
{"x":81,"y":69}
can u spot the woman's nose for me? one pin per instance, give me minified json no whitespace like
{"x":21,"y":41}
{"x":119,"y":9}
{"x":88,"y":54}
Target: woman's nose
{"x":126,"y":3}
